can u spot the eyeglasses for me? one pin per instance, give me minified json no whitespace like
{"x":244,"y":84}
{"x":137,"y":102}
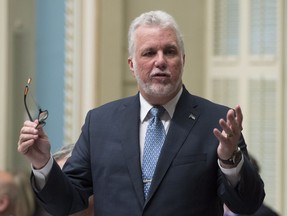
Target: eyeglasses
{"x":42,"y":115}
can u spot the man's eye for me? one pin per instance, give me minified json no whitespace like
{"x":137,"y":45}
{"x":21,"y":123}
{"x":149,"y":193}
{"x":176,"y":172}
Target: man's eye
{"x":148,"y":53}
{"x":171,"y":52}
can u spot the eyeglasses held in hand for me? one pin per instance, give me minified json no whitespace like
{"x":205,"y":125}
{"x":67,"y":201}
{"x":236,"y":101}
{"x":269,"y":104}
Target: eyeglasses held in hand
{"x":42,"y":115}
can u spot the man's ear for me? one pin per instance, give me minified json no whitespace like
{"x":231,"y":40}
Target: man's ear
{"x":131,"y":65}
{"x":4,"y":203}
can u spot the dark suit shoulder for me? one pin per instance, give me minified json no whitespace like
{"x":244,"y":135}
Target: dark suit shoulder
{"x":116,"y":111}
{"x":118,"y":104}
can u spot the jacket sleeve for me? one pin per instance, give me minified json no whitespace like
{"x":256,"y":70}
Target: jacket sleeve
{"x":248,"y":195}
{"x":58,"y":194}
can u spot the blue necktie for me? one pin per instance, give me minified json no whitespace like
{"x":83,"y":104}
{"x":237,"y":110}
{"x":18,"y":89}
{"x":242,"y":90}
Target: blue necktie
{"x":154,"y":139}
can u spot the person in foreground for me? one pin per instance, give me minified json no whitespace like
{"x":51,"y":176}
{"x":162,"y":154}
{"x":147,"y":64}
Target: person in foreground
{"x":199,"y":160}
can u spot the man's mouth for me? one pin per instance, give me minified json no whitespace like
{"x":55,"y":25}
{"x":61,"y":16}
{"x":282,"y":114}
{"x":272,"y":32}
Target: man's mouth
{"x":160,"y":75}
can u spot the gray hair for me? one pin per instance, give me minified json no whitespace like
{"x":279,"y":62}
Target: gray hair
{"x":64,"y":152}
{"x":154,"y":18}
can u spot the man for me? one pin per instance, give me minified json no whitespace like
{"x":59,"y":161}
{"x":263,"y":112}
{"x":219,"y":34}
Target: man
{"x":16,"y":196}
{"x":8,"y":194}
{"x":202,"y":163}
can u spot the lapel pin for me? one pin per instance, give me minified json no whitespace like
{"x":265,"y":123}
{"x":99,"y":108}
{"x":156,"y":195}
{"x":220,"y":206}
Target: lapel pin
{"x":191,"y":116}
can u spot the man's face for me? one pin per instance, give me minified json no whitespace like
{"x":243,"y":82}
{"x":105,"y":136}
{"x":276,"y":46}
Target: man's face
{"x":157,"y":64}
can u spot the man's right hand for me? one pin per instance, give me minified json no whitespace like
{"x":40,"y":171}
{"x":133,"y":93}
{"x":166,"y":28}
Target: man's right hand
{"x":34,"y":144}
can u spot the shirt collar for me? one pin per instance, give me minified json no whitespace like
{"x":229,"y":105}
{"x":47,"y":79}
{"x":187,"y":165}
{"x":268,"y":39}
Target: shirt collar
{"x":170,"y":106}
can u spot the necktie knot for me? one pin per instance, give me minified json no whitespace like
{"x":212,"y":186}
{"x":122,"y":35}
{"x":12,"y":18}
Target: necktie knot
{"x":157,"y":111}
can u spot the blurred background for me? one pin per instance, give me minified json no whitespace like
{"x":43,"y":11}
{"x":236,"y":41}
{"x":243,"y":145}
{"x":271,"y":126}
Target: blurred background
{"x":76,"y":54}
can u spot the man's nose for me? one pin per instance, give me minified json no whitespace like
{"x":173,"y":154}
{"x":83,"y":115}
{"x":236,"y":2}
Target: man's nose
{"x":160,"y":61}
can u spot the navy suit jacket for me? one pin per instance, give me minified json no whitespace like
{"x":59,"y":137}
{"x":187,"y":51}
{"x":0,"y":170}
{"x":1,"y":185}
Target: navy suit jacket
{"x":187,"y":179}
{"x":263,"y":211}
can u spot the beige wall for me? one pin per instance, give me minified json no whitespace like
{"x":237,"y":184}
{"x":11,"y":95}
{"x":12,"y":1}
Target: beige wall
{"x":110,"y":50}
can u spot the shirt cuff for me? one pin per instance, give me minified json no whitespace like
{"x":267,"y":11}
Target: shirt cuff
{"x":42,"y":174}
{"x":233,"y":174}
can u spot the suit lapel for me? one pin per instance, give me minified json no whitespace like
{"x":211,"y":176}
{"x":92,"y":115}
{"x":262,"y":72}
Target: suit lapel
{"x":130,"y":114}
{"x":185,"y":116}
